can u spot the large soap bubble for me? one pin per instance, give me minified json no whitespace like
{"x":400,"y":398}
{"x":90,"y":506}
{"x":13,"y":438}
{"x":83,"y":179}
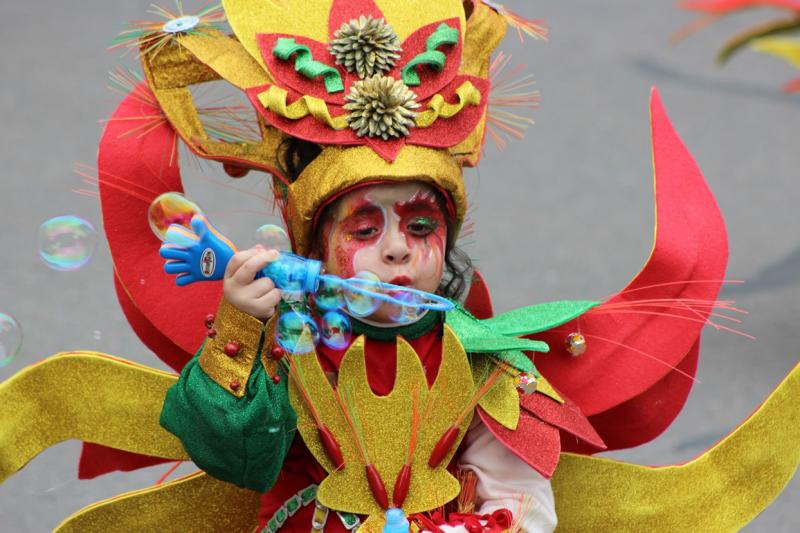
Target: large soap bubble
{"x":66,"y":242}
{"x":10,"y":339}
{"x":336,"y":330}
{"x":171,"y":208}
{"x":297,"y":332}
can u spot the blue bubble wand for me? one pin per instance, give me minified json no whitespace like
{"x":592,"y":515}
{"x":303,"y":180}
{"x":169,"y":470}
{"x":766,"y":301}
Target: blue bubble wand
{"x":202,"y":253}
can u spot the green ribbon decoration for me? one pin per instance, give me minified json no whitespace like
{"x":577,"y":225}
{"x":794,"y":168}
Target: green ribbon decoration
{"x":306,"y":65}
{"x":444,"y":35}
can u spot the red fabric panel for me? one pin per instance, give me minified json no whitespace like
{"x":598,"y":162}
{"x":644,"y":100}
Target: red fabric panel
{"x":133,"y":170}
{"x":646,"y":416}
{"x":629,"y":352}
{"x":479,"y":301}
{"x":97,"y":460}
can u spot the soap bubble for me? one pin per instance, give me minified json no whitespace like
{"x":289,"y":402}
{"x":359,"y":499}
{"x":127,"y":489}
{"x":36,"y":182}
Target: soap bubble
{"x":66,"y":242}
{"x":362,"y":305}
{"x":297,"y":332}
{"x":405,"y":313}
{"x":329,"y":295}
{"x":273,"y":237}
{"x":171,"y":208}
{"x":336,"y":330}
{"x":10,"y":339}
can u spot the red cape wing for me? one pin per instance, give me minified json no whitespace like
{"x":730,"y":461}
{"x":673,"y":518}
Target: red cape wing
{"x":629,"y":351}
{"x":133,"y":169}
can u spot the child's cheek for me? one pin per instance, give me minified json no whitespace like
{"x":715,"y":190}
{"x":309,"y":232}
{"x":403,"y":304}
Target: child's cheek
{"x":347,"y":254}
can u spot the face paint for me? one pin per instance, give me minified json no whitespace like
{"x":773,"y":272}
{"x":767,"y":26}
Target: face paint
{"x":396,"y":231}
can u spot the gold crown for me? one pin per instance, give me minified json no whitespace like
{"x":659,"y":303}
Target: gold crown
{"x":391,"y":90}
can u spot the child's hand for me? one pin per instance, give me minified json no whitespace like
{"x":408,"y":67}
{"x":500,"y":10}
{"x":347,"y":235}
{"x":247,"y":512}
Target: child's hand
{"x":256,"y":297}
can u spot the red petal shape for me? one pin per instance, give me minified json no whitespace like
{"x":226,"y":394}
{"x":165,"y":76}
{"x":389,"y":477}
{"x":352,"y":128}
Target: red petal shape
{"x":343,"y":11}
{"x":431,"y":81}
{"x":792,"y":86}
{"x":687,"y":261}
{"x":389,"y":150}
{"x":538,"y":444}
{"x":97,"y":460}
{"x":479,"y":301}
{"x":133,"y":170}
{"x":565,"y":416}
{"x":721,"y":7}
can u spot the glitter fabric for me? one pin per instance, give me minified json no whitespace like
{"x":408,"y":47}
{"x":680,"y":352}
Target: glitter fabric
{"x":338,"y":169}
{"x":237,"y":326}
{"x":502,"y":400}
{"x":85,"y":396}
{"x":721,"y":490}
{"x":385,"y":422}
{"x":227,"y":57}
{"x":248,"y":18}
{"x":196,"y":502}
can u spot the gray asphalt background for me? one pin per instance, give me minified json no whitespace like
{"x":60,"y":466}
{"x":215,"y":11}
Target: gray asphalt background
{"x":567,"y":213}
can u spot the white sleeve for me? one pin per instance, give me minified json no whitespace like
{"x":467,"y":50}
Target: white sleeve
{"x":505,"y":481}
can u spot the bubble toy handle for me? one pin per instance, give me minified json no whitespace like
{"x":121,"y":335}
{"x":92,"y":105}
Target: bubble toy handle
{"x":294,"y":273}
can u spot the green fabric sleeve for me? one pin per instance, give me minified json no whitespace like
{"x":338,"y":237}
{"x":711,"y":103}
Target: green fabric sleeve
{"x":243,"y":441}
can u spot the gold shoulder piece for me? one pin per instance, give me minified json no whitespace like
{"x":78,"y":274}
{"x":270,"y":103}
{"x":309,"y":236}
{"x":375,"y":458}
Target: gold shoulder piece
{"x":383,"y":425}
{"x":86,"y":396}
{"x":721,"y":490}
{"x":194,"y":503}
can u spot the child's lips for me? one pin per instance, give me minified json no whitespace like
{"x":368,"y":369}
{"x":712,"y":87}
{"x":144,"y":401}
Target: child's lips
{"x":403,"y":281}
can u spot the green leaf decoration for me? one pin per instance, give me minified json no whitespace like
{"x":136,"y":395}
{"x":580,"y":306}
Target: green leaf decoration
{"x":538,"y":318}
{"x":478,"y":337}
{"x":285,"y":47}
{"x":444,"y":35}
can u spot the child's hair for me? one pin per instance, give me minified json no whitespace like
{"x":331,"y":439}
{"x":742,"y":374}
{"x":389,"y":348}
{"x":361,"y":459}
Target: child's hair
{"x":296,"y":154}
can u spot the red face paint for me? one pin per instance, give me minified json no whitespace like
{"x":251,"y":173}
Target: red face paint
{"x":394,"y":230}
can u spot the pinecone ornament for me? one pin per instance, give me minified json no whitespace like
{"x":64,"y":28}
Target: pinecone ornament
{"x":366,"y":46}
{"x":381,"y":106}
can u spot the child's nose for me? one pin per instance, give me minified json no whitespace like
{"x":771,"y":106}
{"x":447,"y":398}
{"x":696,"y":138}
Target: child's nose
{"x":395,"y":249}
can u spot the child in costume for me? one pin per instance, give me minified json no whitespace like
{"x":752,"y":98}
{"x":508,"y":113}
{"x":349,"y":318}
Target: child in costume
{"x":393,"y":95}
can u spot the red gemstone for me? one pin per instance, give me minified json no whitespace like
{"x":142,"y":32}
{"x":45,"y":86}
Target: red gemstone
{"x":234,"y":385}
{"x":232,"y":349}
{"x":209,"y":320}
{"x":277,"y":352}
{"x":211,"y":333}
{"x":276,"y":379}
{"x":235,"y":171}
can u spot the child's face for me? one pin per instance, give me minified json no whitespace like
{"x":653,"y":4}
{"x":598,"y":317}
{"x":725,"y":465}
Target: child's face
{"x":394,"y":230}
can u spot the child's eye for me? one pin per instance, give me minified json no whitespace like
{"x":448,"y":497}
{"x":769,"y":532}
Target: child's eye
{"x":366,"y":232}
{"x":422,"y":226}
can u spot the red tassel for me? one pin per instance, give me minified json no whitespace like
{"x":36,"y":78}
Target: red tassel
{"x":377,"y":486}
{"x":332,"y":448}
{"x":443,"y":447}
{"x":401,"y":486}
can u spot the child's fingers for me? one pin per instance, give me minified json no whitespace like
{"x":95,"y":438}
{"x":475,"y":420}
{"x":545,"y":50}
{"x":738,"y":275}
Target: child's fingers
{"x":269,"y":302}
{"x":238,"y":259}
{"x":247,"y":272}
{"x":260,"y":287}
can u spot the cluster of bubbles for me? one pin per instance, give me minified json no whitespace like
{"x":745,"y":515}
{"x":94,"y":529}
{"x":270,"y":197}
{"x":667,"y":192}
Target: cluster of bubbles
{"x":171,"y":208}
{"x":299,"y":333}
{"x":10,"y":339}
{"x":66,"y":242}
{"x":336,"y":300}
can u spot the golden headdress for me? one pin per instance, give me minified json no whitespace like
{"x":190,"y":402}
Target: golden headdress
{"x":391,"y":90}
